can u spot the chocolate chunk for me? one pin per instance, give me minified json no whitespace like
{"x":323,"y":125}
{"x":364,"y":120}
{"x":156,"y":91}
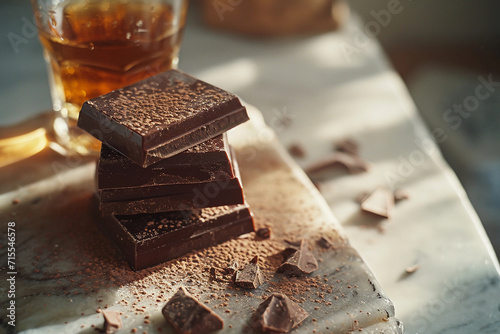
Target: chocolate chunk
{"x":300,"y":262}
{"x":264,"y":233}
{"x":232,"y":267}
{"x":161,"y":116}
{"x":297,"y":151}
{"x":347,"y":145}
{"x":325,"y":243}
{"x":412,"y":269}
{"x":353,"y":163}
{"x":112,"y":321}
{"x":250,"y":276}
{"x":148,"y":239}
{"x":278,"y":314}
{"x":380,"y":202}
{"x":187,"y":315}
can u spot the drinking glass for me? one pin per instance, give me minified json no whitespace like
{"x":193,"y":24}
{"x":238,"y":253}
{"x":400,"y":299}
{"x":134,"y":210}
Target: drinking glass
{"x":92,"y":47}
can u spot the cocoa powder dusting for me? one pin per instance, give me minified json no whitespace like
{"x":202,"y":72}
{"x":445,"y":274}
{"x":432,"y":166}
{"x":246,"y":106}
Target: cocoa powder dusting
{"x":73,"y":251}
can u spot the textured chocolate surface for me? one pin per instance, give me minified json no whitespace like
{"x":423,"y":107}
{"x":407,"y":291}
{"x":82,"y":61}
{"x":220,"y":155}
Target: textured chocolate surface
{"x":149,"y":239}
{"x":278,"y":314}
{"x":187,"y":315}
{"x":300,"y":262}
{"x":161,"y":116}
{"x":250,"y":276}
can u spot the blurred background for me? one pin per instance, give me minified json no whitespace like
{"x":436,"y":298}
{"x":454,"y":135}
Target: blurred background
{"x":444,"y":50}
{"x":447,"y":52}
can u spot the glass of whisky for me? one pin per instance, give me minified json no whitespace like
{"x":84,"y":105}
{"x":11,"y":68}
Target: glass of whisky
{"x":92,"y":47}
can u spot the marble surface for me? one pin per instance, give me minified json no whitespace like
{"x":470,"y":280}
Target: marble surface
{"x":473,"y":136}
{"x":328,"y":95}
{"x":66,"y":270}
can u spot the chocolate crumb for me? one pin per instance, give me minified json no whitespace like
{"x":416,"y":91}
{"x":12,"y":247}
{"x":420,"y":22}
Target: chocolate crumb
{"x":380,"y":202}
{"x":264,"y":233}
{"x":300,"y":262}
{"x":412,"y":269}
{"x":278,"y":314}
{"x":187,"y":315}
{"x":250,"y":276}
{"x":324,"y":243}
{"x":112,"y":321}
{"x":15,"y":201}
{"x":353,"y":163}
{"x":347,"y":145}
{"x":213,"y":274}
{"x":233,"y":267}
{"x":297,"y":151}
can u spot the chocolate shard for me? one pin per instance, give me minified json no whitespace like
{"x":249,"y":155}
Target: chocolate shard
{"x":300,"y":262}
{"x":250,"y":277}
{"x":112,"y":321}
{"x":325,"y":243}
{"x":380,"y":202}
{"x":297,"y":151}
{"x":187,"y":315}
{"x":347,"y":145}
{"x":278,"y":314}
{"x":264,"y":233}
{"x":353,"y":163}
{"x":232,"y":267}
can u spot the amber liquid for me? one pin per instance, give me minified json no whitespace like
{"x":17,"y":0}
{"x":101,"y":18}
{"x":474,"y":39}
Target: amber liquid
{"x":95,"y":47}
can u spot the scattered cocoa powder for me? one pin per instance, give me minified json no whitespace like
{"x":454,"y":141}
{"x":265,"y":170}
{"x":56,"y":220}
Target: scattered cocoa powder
{"x":97,"y":268}
{"x":297,"y":151}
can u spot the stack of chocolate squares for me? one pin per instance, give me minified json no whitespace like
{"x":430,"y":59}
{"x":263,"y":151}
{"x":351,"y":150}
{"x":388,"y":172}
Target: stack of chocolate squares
{"x":167,"y":180}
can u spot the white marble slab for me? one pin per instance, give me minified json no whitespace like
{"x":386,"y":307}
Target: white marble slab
{"x":330,"y":96}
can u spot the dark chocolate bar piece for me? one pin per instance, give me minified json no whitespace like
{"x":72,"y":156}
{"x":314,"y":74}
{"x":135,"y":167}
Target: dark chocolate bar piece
{"x":114,"y":170}
{"x":119,"y":179}
{"x":161,"y":116}
{"x":179,"y":188}
{"x":205,"y":195}
{"x":148,"y":239}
